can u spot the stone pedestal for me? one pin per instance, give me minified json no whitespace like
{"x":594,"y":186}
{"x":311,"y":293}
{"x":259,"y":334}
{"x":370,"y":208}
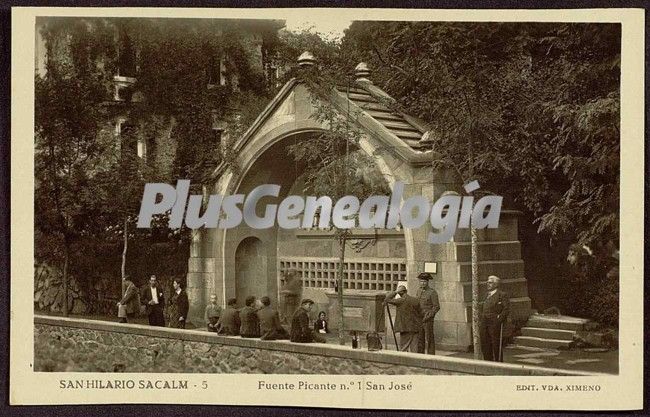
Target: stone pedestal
{"x":363,"y":311}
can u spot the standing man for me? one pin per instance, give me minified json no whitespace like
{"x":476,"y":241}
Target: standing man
{"x":430,"y":306}
{"x":129,"y":301}
{"x":300,"y":330}
{"x":179,"y":305}
{"x":496,"y":308}
{"x":408,"y":321}
{"x":212,"y":313}
{"x":270,"y":327}
{"x":154,"y":301}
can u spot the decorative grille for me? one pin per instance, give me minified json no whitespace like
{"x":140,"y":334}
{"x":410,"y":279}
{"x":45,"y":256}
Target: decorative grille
{"x":376,"y":274}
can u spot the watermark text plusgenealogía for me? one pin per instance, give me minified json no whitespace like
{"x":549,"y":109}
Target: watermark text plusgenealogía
{"x":446,"y":214}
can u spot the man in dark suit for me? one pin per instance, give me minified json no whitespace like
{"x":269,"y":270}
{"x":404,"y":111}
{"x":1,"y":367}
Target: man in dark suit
{"x":250,"y":324}
{"x":229,"y":321}
{"x":496,"y":308}
{"x":300,"y":330}
{"x":179,"y":305}
{"x":270,"y":327}
{"x":408,"y":320}
{"x":430,"y":306}
{"x":154,"y":301}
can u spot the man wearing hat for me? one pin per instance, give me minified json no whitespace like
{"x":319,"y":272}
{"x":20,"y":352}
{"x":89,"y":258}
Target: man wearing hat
{"x":430,"y":306}
{"x":408,"y":320}
{"x":129,"y":305}
{"x":300,"y":330}
{"x":496,"y":308}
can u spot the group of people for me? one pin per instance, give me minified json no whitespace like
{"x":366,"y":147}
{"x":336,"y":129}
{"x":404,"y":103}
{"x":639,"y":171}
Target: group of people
{"x":414,"y":318}
{"x":151,"y":300}
{"x":257,"y":319}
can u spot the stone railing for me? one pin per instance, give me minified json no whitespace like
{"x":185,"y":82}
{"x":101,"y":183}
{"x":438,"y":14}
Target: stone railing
{"x":72,"y":344}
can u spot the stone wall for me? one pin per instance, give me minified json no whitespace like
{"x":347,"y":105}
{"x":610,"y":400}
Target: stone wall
{"x":78,"y":345}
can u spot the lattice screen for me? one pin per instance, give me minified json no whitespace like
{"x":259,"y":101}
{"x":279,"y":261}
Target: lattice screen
{"x":380,"y":275}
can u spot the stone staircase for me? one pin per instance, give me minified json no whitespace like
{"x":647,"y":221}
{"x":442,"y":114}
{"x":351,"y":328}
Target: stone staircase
{"x":549,"y":332}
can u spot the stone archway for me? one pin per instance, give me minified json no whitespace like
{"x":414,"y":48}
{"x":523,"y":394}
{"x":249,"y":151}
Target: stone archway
{"x":217,"y":260}
{"x":251,"y":263}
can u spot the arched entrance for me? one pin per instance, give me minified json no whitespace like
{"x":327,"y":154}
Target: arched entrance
{"x":242,"y":261}
{"x":251,"y":273}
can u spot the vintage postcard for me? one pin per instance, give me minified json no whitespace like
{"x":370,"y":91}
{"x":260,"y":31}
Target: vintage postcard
{"x":359,"y":208}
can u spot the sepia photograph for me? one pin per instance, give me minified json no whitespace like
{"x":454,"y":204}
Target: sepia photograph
{"x":279,"y":195}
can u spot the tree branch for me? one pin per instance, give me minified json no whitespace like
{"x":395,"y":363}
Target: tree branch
{"x":396,"y":67}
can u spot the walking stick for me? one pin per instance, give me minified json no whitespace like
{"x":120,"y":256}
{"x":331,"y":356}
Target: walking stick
{"x":390,"y":319}
{"x":500,"y":358}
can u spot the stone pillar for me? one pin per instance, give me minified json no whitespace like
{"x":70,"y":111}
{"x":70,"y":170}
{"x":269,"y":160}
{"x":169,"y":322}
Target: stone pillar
{"x":200,"y":273}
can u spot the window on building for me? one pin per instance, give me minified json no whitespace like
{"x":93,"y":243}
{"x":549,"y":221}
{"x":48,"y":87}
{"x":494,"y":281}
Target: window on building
{"x":126,"y":60}
{"x":128,"y":140}
{"x":272,"y":72}
{"x":216,"y":137}
{"x":142,"y":149}
{"x":216,"y":72}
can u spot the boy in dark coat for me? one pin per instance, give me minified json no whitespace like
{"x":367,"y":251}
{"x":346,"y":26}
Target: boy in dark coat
{"x":250,"y":324}
{"x":300,"y":330}
{"x":229,"y":322}
{"x":270,"y":327}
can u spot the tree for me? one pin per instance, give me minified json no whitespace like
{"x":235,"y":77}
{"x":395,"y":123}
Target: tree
{"x":68,"y":116}
{"x":171,"y":109}
{"x":537,"y":103}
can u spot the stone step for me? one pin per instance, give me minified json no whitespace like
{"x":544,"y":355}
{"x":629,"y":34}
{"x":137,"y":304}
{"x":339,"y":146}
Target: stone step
{"x":556,"y":322}
{"x":406,"y":134}
{"x":366,"y":105}
{"x":395,"y":125}
{"x":524,"y":347}
{"x":384,"y":115}
{"x":541,"y":342}
{"x":497,"y":251}
{"x":547,"y":333}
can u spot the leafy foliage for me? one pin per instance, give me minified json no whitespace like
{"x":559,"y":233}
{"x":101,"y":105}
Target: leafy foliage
{"x":536,"y":105}
{"x":539,"y":103}
{"x":68,"y":116}
{"x":89,"y":180}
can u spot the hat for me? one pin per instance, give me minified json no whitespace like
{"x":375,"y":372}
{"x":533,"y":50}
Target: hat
{"x":494,"y":278}
{"x":425,"y":275}
{"x":307,"y":301}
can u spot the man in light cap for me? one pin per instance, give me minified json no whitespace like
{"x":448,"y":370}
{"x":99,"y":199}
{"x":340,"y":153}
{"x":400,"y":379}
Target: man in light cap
{"x":496,"y":308}
{"x":430,"y":306}
{"x":408,"y":320}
